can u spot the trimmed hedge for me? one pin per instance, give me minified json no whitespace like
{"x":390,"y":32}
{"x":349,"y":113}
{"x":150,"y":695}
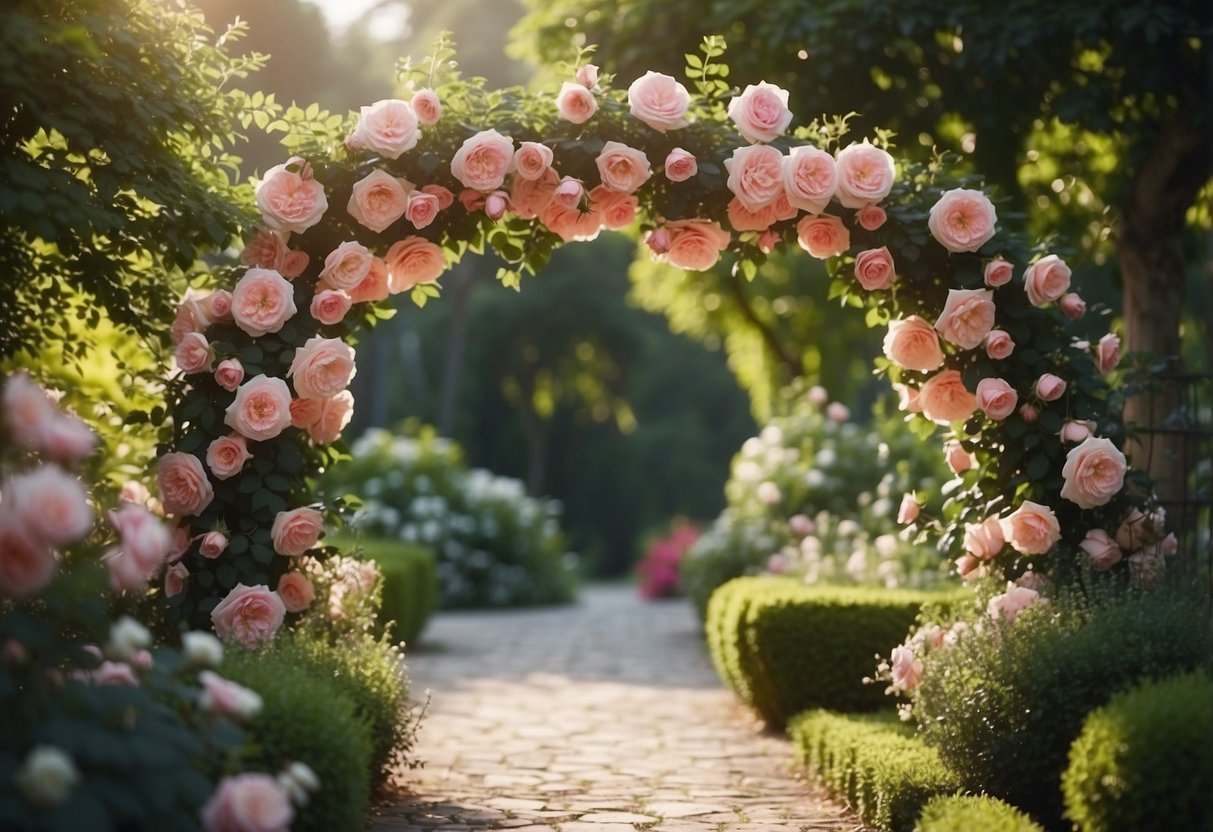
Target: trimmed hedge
{"x":967,"y":813}
{"x":784,"y":647}
{"x":1145,"y":760}
{"x":410,"y":583}
{"x":874,"y":761}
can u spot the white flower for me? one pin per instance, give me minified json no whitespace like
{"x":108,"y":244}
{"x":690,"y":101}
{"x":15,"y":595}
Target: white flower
{"x":201,"y":649}
{"x":127,"y":637}
{"x":298,"y":780}
{"x":47,"y":776}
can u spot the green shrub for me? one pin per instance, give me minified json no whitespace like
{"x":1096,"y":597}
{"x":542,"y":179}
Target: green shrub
{"x":1145,"y":760}
{"x":1003,"y":705}
{"x":784,"y":647}
{"x":309,"y":718}
{"x":874,"y":761}
{"x":967,"y":813}
{"x":409,"y":595}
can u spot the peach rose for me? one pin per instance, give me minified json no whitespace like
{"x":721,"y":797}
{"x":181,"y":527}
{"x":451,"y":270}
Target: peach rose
{"x":445,"y":198}
{"x":1094,"y":473}
{"x":378,"y":200}
{"x":184,"y":487}
{"x":617,"y":210}
{"x":27,"y":411}
{"x":871,"y":217}
{"x":346,"y":266}
{"x":984,"y":540}
{"x":291,"y":200}
{"x":248,"y":803}
{"x":125,"y":573}
{"x":376,"y":286}
{"x":268,"y":250}
{"x":329,"y":307}
{"x":571,"y":223}
{"x":532,"y":160}
{"x":575,"y":103}
{"x":659,"y":101}
{"x":388,"y":127}
{"x":999,"y":344}
{"x":907,"y":398}
{"x":261,"y":409}
{"x":1031,"y":529}
{"x":1046,"y":280}
{"x":695,"y":245}
{"x":226,"y":456}
{"x":422,"y":208}
{"x":755,"y":175}
{"x":67,"y":439}
{"x":250,"y":615}
{"x":262,"y":302}
{"x":332,"y":416}
{"x":1050,"y":387}
{"x":587,"y":76}
{"x":967,"y":317}
{"x":944,"y":398}
{"x":996,"y":398}
{"x":962,"y":220}
{"x":743,"y":219}
{"x":998,"y":272}
{"x":213,"y":545}
{"x":569,"y":192}
{"x":680,"y":165}
{"x":810,"y":178}
{"x":958,"y":459}
{"x":483,"y":160}
{"x":194,"y":354}
{"x":761,"y":112}
{"x":823,"y":236}
{"x":1102,"y":549}
{"x":905,"y":668}
{"x":768,"y":240}
{"x":1011,"y":603}
{"x":1072,"y":306}
{"x":229,"y":373}
{"x":529,"y":197}
{"x":913,"y":344}
{"x":174,"y":579}
{"x":412,"y":261}
{"x":909,"y":509}
{"x":322,"y":367}
{"x":970,"y":568}
{"x":623,"y":168}
{"x":427,"y":107}
{"x":296,"y":591}
{"x":26,"y":564}
{"x":1107,"y":353}
{"x":1076,"y":430}
{"x":296,"y":531}
{"x":874,"y":269}
{"x":865,"y":175}
{"x":304,"y":412}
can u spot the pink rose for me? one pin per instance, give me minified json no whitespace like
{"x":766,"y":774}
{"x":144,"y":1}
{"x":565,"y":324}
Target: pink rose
{"x":305,"y":412}
{"x":659,"y":101}
{"x":346,"y":266}
{"x":445,"y":198}
{"x":213,"y":545}
{"x":26,"y":563}
{"x":483,"y":160}
{"x":962,"y":220}
{"x":617,"y":210}
{"x":422,"y":208}
{"x":810,"y":178}
{"x":906,"y":670}
{"x":248,"y":803}
{"x":261,"y":409}
{"x":913,"y":344}
{"x":1103,"y":550}
{"x":680,"y":165}
{"x":114,"y":673}
{"x":134,"y":492}
{"x":658,"y":241}
{"x":378,"y":200}
{"x":412,"y":261}
{"x":322,"y":367}
{"x":761,"y":112}
{"x":331,"y":418}
{"x":27,"y":411}
{"x":218,"y":305}
{"x":229,"y":373}
{"x":823,"y":236}
{"x":958,"y":459}
{"x":1012,"y":602}
{"x":291,"y":201}
{"x":874,"y":269}
{"x":184,"y":487}
{"x":587,"y":76}
{"x":143,"y":536}
{"x":1046,"y":280}
{"x":871,"y":217}
{"x":996,"y":398}
{"x":999,"y":344}
{"x":1050,"y":388}
{"x":427,"y":107}
{"x":571,"y":223}
{"x":838,"y":412}
{"x":532,"y":160}
{"x":623,"y":168}
{"x":221,"y":697}
{"x":296,"y":591}
{"x":68,"y":439}
{"x":909,"y":509}
{"x":126,"y":574}
{"x":250,"y":615}
{"x":984,"y":540}
{"x":194,"y":354}
{"x":1094,"y":473}
{"x":768,"y":240}
{"x":1076,"y":430}
{"x":998,"y":272}
{"x":970,"y":568}
{"x":174,"y":579}
{"x":865,"y":175}
{"x":967,"y":318}
{"x":802,"y":525}
{"x":907,"y":398}
{"x":575,"y":103}
{"x":755,"y":175}
{"x":268,"y":250}
{"x":1031,"y":529}
{"x":388,"y":127}
{"x":496,"y":204}
{"x":1107,"y":353}
{"x":569,"y":192}
{"x":329,"y":307}
{"x":1072,"y":306}
{"x":695,"y":245}
{"x":944,"y":398}
{"x":296,"y":531}
{"x":262,"y":302}
{"x":743,"y":219}
{"x":376,"y":286}
{"x":179,"y":542}
{"x":1028,"y":412}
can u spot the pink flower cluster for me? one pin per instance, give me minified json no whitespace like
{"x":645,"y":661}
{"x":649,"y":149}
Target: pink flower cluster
{"x":659,"y":569}
{"x":1141,"y":537}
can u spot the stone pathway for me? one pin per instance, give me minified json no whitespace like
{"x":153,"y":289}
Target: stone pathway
{"x":604,"y":716}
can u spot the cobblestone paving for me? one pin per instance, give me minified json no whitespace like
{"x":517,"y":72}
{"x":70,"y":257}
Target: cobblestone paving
{"x":600,"y":717}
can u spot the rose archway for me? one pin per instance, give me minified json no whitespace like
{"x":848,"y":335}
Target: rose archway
{"x":386,"y":201}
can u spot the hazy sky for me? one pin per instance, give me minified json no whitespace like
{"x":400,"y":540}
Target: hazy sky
{"x":341,"y":13}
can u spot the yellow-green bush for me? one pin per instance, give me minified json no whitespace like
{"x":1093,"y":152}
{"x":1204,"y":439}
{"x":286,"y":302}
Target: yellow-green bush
{"x":1145,"y":760}
{"x":970,"y":813}
{"x":410,"y":583}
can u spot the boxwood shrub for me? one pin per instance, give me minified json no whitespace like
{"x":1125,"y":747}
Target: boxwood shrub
{"x":410,"y":583}
{"x":874,"y":761}
{"x":968,"y":813}
{"x":783,"y":646}
{"x":1145,"y":760}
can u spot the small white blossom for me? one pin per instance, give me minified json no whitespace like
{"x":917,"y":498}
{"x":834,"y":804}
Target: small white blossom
{"x":47,"y":776}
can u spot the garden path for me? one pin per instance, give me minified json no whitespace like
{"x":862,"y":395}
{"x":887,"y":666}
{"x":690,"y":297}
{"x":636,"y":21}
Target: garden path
{"x":602,"y":716}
